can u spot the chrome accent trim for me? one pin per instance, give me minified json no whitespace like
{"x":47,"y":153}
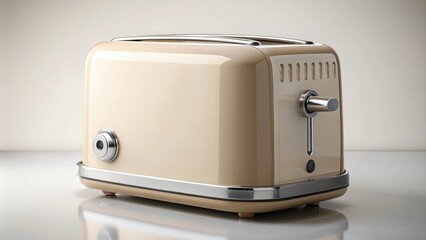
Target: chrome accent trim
{"x":210,"y":38}
{"x":261,"y":38}
{"x":236,"y":193}
{"x":310,"y":130}
{"x":253,"y":40}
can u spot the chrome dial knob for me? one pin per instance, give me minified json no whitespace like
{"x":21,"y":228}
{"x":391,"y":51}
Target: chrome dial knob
{"x":105,"y":145}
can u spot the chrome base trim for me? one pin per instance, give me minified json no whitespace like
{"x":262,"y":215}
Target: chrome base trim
{"x":281,"y":192}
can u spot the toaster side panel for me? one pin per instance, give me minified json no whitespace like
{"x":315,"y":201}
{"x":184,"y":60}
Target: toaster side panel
{"x":165,"y":115}
{"x":184,"y":112}
{"x":245,"y":142}
{"x":292,"y":75}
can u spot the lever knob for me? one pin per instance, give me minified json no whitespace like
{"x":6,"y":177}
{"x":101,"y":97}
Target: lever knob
{"x":310,"y":103}
{"x":321,"y":104}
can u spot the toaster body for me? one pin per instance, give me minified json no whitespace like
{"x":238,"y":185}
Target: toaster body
{"x":244,"y":124}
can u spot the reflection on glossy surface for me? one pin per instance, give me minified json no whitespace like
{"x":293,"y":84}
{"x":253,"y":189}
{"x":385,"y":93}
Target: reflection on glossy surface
{"x":136,"y":218}
{"x":40,"y":195}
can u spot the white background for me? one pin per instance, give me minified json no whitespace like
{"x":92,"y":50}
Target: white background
{"x":381,"y":44}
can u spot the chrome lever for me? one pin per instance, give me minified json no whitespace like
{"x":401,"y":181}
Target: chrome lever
{"x":310,"y":104}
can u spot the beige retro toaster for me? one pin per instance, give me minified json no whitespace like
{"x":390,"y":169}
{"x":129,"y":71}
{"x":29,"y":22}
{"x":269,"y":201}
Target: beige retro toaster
{"x":237,"y":123}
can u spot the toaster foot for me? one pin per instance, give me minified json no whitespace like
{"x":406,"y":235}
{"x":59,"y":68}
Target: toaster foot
{"x":246,"y":215}
{"x":106,"y":193}
{"x":315,"y":204}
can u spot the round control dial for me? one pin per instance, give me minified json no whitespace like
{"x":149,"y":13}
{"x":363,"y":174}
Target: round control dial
{"x":105,"y":145}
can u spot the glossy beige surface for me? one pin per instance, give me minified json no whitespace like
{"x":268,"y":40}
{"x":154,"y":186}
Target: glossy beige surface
{"x":180,"y":111}
{"x":290,"y":153}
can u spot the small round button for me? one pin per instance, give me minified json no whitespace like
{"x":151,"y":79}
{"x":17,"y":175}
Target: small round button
{"x":310,"y":166}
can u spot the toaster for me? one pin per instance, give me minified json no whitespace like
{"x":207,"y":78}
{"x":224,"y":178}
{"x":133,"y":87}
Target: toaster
{"x":236,"y":123}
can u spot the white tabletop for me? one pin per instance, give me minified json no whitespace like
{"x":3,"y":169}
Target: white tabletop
{"x":41,"y":198}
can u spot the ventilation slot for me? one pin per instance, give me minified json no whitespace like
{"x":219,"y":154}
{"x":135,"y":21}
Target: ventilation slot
{"x":298,"y":71}
{"x":290,"y":72}
{"x":334,"y":70}
{"x":327,"y":69}
{"x":282,"y":72}
{"x":307,"y":71}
